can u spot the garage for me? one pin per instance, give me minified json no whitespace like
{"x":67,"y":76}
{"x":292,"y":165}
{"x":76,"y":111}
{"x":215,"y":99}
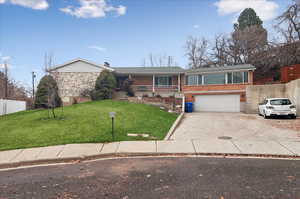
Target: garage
{"x":217,"y":103}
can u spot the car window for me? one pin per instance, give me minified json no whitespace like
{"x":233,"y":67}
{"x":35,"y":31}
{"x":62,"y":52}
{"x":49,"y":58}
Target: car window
{"x":280,"y":102}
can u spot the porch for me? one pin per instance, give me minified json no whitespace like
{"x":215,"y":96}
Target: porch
{"x":153,"y":83}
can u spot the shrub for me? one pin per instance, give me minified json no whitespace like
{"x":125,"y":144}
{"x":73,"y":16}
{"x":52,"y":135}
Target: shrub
{"x":127,"y":86}
{"x":86,"y":93}
{"x":104,"y":87}
{"x":47,"y":93}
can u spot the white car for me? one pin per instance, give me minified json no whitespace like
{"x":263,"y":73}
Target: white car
{"x":277,"y":106}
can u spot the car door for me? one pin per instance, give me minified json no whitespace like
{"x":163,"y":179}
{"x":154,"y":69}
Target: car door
{"x":262,"y":106}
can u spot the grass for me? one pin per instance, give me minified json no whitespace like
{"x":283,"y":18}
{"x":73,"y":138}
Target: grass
{"x":83,"y":123}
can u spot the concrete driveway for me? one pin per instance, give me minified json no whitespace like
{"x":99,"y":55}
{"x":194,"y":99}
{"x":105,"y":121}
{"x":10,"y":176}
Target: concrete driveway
{"x":239,"y":126}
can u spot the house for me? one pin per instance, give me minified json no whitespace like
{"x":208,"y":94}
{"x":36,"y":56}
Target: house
{"x":75,"y":77}
{"x":219,"y":89}
{"x":211,"y":89}
{"x":152,"y":81}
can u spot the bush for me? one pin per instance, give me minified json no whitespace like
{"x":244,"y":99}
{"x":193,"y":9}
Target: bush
{"x":104,"y":87}
{"x":127,"y":86}
{"x":47,"y":93}
{"x":86,"y":93}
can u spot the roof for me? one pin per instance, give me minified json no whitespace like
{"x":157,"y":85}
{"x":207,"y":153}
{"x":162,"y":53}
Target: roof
{"x":221,"y":69}
{"x":149,"y":70}
{"x":79,"y":59}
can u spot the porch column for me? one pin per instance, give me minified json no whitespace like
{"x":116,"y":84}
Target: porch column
{"x":179,"y":82}
{"x":153,"y":83}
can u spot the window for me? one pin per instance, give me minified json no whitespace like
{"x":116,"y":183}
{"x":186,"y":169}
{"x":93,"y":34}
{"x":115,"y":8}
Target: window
{"x":229,"y":78}
{"x":237,"y":77}
{"x":192,"y":79}
{"x":214,"y":78}
{"x":200,"y":77}
{"x":162,"y":81}
{"x":280,"y":102}
{"x":245,"y":77}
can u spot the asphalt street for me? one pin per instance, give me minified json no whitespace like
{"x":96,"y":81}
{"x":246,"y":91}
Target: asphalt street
{"x":145,"y":178}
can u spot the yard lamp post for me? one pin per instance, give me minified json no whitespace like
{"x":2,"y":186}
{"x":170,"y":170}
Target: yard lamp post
{"x":112,"y":116}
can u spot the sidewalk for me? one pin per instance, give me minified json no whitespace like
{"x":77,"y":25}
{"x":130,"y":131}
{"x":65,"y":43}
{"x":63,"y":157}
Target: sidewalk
{"x":193,"y":147}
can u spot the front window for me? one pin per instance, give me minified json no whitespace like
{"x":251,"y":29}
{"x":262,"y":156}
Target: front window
{"x":162,"y":81}
{"x":192,"y":80}
{"x":280,"y":102}
{"x":237,"y":77}
{"x":218,"y":78}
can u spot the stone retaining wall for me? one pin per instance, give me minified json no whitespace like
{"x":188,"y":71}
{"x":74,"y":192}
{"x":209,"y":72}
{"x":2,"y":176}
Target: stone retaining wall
{"x":257,"y":93}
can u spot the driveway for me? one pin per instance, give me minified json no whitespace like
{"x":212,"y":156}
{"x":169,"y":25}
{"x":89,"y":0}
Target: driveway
{"x":239,"y":126}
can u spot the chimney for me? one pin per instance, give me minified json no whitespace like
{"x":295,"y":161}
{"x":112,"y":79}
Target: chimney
{"x":106,"y":64}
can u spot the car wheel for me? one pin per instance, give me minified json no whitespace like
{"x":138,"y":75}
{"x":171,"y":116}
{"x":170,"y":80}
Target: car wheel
{"x":293,"y":116}
{"x":265,"y":116}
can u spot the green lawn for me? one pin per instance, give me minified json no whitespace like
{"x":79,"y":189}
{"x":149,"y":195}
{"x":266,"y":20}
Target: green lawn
{"x":82,"y":123}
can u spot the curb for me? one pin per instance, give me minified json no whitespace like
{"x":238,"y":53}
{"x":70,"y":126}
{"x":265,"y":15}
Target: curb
{"x":174,"y":126}
{"x":128,"y":155}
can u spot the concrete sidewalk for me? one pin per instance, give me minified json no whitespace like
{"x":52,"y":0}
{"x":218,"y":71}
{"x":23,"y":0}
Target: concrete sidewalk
{"x":193,"y":147}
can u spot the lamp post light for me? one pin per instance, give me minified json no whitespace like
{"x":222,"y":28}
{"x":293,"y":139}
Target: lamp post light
{"x":112,"y":116}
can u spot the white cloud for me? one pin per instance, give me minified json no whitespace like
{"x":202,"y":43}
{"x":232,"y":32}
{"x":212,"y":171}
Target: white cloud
{"x":196,"y":26}
{"x":265,"y":9}
{"x":34,"y":4}
{"x":93,"y":9}
{"x":98,"y":48}
{"x":5,"y":58}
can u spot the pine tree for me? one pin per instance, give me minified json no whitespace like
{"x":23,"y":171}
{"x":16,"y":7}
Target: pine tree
{"x":104,"y":87}
{"x":248,"y":18}
{"x":47,"y":93}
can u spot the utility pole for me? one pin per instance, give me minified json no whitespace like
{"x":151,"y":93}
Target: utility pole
{"x":6,"y":80}
{"x":33,"y":77}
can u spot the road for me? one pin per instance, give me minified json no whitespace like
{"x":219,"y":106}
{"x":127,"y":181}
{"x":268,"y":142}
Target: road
{"x":145,"y":178}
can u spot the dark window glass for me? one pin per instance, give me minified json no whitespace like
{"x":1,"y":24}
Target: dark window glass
{"x":246,"y":77}
{"x":229,"y":78}
{"x":163,"y":81}
{"x":192,"y":79}
{"x":214,"y":78}
{"x":199,"y":79}
{"x":280,"y":102}
{"x":237,"y":77}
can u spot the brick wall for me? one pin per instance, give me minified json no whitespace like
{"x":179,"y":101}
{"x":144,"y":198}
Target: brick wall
{"x":289,"y":73}
{"x":191,"y":91}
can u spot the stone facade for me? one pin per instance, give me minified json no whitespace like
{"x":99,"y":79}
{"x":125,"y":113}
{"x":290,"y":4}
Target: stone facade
{"x":72,"y":84}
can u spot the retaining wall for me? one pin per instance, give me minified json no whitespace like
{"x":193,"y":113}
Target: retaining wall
{"x":255,"y":94}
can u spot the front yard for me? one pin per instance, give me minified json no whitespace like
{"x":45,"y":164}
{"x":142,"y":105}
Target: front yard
{"x":82,"y":123}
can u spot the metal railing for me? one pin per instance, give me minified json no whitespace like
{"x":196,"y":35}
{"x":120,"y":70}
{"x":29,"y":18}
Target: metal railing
{"x":149,"y":88}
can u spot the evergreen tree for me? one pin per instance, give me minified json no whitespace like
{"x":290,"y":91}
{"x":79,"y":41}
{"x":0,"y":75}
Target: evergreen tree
{"x":248,"y":18}
{"x":104,"y":87}
{"x":47,"y":93}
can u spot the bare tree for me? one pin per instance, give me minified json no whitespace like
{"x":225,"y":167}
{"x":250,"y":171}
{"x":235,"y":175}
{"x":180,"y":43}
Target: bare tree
{"x":158,"y":60}
{"x":221,"y":53}
{"x":197,"y":52}
{"x":289,"y":22}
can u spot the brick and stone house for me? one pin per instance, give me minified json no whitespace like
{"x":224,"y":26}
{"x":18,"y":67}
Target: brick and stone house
{"x":221,"y":89}
{"x":211,"y":89}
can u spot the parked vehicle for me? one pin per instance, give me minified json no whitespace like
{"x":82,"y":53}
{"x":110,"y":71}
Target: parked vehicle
{"x":277,"y":107}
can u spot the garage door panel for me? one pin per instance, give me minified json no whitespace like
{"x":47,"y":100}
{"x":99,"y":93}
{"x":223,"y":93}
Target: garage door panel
{"x":217,"y":103}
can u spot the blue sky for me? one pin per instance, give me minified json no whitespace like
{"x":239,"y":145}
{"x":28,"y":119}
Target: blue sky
{"x":121,"y":32}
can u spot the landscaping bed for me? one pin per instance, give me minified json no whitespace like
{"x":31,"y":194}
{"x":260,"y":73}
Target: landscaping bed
{"x":84,"y":123}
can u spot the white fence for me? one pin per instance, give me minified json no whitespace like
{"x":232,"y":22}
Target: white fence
{"x":11,"y":106}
